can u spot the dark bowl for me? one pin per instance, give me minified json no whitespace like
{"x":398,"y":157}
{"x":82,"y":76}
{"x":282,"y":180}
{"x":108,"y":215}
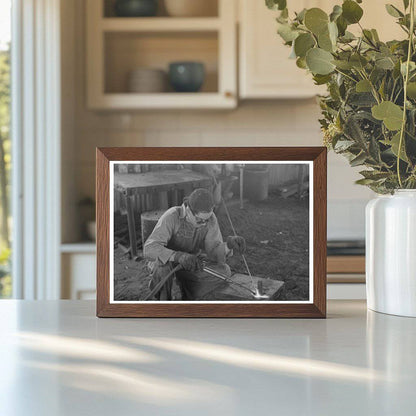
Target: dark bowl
{"x":136,"y":8}
{"x":186,"y":76}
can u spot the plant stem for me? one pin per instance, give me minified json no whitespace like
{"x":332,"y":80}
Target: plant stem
{"x":345,"y":75}
{"x":373,"y":89}
{"x":406,"y":80}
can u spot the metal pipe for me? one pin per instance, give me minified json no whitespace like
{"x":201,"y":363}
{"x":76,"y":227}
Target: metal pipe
{"x":227,"y":279}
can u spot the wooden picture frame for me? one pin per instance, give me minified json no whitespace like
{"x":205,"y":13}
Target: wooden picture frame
{"x":314,"y":308}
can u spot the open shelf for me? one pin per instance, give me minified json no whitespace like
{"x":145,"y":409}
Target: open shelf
{"x":194,"y":101}
{"x":108,"y":9}
{"x":127,"y":51}
{"x":160,"y":24}
{"x":116,"y":46}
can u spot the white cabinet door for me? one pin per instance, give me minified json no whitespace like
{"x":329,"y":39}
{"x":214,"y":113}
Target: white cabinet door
{"x":265,"y":68}
{"x":376,"y":17}
{"x":78,"y":276}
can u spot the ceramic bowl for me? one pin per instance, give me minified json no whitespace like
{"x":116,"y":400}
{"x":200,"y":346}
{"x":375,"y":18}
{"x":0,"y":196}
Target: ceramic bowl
{"x":186,"y":76}
{"x":136,"y":8}
{"x":147,"y":80}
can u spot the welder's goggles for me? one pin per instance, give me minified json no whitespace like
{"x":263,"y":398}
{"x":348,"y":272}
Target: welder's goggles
{"x":203,"y":217}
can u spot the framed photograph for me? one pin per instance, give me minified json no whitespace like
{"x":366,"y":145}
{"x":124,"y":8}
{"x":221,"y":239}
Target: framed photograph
{"x":211,"y":232}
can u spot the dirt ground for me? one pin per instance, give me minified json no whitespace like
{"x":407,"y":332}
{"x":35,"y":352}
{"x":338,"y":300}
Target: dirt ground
{"x":277,"y":236}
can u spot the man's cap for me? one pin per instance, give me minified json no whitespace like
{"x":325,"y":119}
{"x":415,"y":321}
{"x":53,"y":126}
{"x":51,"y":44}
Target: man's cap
{"x":201,"y":200}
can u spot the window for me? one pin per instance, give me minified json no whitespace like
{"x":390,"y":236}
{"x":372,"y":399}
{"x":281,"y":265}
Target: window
{"x":5,"y":147}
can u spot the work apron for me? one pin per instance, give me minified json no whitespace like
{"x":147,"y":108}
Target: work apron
{"x":194,"y":285}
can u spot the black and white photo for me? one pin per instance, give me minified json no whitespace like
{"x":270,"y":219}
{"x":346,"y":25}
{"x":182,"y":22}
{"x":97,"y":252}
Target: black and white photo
{"x":211,"y":232}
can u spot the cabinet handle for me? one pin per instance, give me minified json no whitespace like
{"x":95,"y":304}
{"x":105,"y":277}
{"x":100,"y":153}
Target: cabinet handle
{"x":228,"y":94}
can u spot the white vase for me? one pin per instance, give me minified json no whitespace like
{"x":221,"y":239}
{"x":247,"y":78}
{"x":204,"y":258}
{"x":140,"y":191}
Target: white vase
{"x":391,"y":253}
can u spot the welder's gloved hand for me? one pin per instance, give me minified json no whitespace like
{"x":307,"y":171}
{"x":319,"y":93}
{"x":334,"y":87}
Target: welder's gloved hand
{"x":237,"y":244}
{"x":189,"y":262}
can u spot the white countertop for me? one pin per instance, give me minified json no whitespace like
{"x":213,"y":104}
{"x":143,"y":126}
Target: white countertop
{"x":56,"y":358}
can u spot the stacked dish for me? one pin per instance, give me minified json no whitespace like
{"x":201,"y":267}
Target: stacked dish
{"x":147,"y":80}
{"x":191,"y":8}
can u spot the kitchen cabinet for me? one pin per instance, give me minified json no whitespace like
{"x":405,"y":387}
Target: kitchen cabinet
{"x":265,"y":70}
{"x":78,"y":263}
{"x":116,"y":46}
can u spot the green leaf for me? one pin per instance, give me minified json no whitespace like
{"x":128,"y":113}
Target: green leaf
{"x":347,"y":37}
{"x":327,"y":39}
{"x":300,"y":17}
{"x":406,"y":4}
{"x":358,"y":61}
{"x":286,"y":32}
{"x":396,"y":71}
{"x":393,"y":11}
{"x":363,"y":86}
{"x":333,"y":32}
{"x":412,"y":67}
{"x":364,"y":181}
{"x":411,"y":90}
{"x":388,"y":112}
{"x":385,"y":63}
{"x":358,"y":160}
{"x":375,"y":175}
{"x":325,"y":42}
{"x":319,"y":61}
{"x":316,"y":20}
{"x":374,"y":150}
{"x":377,"y":75}
{"x":394,"y":145}
{"x":336,"y":12}
{"x":375,"y":35}
{"x":342,"y":25}
{"x":284,"y":14}
{"x":276,"y":4}
{"x":351,"y":11}
{"x":343,"y":65}
{"x":321,"y":79}
{"x":283,"y":17}
{"x":301,"y":63}
{"x":381,"y":89}
{"x":361,"y":99}
{"x":303,"y":43}
{"x":354,"y":131}
{"x":343,"y":145}
{"x":368,"y":36}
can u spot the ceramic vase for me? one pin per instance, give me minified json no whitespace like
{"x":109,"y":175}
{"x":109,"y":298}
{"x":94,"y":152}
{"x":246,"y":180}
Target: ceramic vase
{"x":391,"y":253}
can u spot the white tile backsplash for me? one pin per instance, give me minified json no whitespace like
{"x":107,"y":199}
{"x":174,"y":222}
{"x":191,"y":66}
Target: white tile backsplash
{"x":271,"y":123}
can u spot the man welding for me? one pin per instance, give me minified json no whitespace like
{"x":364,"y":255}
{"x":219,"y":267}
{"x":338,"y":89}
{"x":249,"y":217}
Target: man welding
{"x":181,"y":235}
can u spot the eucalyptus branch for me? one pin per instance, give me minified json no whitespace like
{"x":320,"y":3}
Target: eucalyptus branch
{"x":405,"y":81}
{"x":373,"y":89}
{"x":392,"y":90}
{"x":365,"y":62}
{"x":345,"y":75}
{"x":369,"y":41}
{"x":397,"y":95}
